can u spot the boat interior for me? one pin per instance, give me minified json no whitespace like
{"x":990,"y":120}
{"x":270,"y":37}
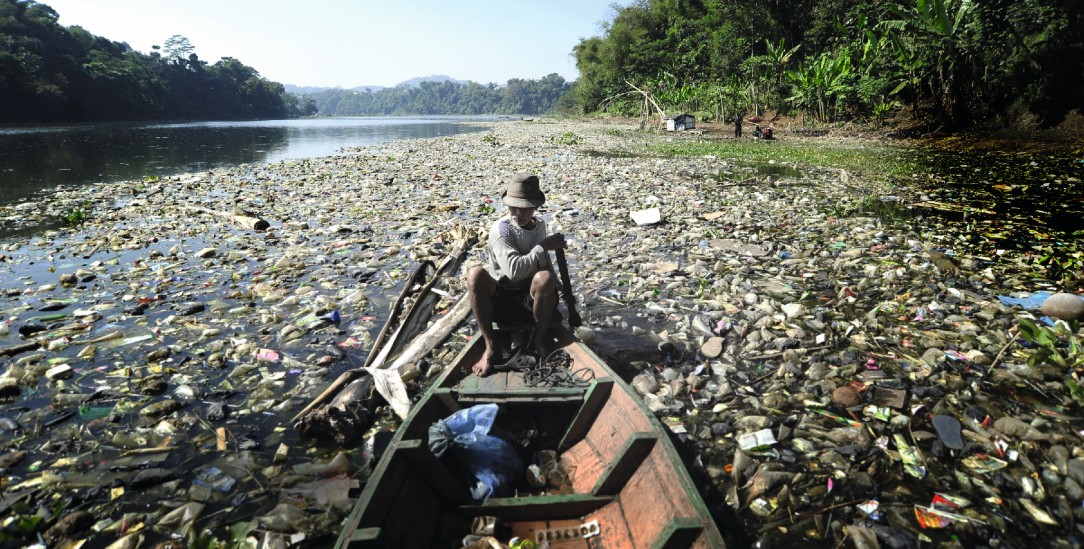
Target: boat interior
{"x":615,"y":486}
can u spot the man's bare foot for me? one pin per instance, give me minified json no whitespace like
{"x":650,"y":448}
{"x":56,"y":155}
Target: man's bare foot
{"x":543,"y":348}
{"x":483,"y":367}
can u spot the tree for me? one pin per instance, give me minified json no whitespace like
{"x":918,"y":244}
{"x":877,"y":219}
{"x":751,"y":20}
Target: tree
{"x":177,"y":48}
{"x":944,"y":31}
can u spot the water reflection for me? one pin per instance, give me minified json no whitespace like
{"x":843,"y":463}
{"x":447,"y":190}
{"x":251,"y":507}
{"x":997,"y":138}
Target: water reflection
{"x":1010,"y":199}
{"x":34,"y":158}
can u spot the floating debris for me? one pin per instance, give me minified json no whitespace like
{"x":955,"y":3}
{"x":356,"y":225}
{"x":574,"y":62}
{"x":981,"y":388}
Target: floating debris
{"x":830,"y":368}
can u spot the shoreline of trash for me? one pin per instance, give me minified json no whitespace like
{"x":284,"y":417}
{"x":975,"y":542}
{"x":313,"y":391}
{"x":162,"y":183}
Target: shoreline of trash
{"x":153,"y":353}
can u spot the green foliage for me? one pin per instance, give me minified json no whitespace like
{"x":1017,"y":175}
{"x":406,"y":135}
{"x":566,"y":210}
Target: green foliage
{"x":178,"y":48}
{"x":52,"y":73}
{"x":567,"y":138}
{"x":73,"y":217}
{"x":702,"y":285}
{"x":1057,"y":345}
{"x":837,"y":59}
{"x":485,"y":208}
{"x":518,"y":96}
{"x":821,"y":85}
{"x":870,"y":163}
{"x":491,"y":139}
{"x":944,"y":34}
{"x":1058,"y":265}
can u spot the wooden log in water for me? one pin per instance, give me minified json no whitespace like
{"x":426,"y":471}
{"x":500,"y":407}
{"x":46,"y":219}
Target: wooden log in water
{"x":350,"y":375}
{"x":20,"y":348}
{"x":419,"y":313}
{"x":248,"y":222}
{"x":344,"y":420}
{"x":416,"y":278}
{"x":406,"y":364}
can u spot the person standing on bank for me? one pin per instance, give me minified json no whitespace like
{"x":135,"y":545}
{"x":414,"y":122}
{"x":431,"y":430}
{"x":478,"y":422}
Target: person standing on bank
{"x":737,"y":125}
{"x":518,"y":267}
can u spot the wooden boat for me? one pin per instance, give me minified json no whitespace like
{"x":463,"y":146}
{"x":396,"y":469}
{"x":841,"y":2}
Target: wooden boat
{"x":626,"y":486}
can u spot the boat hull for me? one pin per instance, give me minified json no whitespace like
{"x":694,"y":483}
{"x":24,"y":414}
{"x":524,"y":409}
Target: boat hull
{"x":626,"y":486}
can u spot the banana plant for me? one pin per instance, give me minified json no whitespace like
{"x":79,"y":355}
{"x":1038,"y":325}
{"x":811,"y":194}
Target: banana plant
{"x":780,"y":55}
{"x":938,"y":31}
{"x":821,"y":84}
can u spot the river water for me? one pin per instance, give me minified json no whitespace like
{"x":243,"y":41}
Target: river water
{"x":36,"y":158}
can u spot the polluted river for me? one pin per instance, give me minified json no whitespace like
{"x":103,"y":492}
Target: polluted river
{"x":844,"y":357}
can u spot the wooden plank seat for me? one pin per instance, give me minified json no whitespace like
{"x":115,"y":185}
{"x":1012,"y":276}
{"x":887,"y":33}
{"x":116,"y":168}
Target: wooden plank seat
{"x":541,"y":507}
{"x":500,"y":387}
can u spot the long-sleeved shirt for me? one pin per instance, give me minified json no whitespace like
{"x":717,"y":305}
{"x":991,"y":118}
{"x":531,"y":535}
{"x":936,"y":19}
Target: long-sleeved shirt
{"x":514,"y":253}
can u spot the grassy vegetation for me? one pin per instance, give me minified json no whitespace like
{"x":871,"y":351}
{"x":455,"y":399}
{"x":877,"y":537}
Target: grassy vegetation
{"x":874,"y":163}
{"x":567,"y":138}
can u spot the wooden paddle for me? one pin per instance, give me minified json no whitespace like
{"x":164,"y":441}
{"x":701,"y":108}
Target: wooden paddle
{"x":574,"y":320}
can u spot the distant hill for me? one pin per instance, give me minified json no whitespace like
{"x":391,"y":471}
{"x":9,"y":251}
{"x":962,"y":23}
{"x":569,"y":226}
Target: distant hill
{"x":412,"y":83}
{"x":444,"y":95}
{"x":309,"y":90}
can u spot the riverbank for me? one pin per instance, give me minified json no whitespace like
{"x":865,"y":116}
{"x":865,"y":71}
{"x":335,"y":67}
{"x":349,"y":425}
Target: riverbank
{"x":175,"y":344}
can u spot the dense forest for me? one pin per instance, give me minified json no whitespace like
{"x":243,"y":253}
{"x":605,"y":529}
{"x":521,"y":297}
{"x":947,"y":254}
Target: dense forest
{"x":52,"y":73}
{"x":516,"y":97}
{"x":954,"y":61}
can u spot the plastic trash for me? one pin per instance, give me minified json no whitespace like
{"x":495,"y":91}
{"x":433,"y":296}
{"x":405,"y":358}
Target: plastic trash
{"x":941,"y":512}
{"x":911,"y":458}
{"x":758,"y":440}
{"x":334,"y":317}
{"x":1030,"y":301}
{"x":492,"y":461}
{"x":949,"y":431}
{"x":649,"y":216}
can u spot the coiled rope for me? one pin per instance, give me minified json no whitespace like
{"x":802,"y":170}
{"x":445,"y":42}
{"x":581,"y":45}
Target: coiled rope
{"x":555,"y":371}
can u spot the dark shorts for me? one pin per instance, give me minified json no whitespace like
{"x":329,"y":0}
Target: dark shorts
{"x":512,"y":304}
{"x":515,"y":305}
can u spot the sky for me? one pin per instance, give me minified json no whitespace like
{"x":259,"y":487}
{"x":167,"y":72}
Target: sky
{"x":348,"y":43}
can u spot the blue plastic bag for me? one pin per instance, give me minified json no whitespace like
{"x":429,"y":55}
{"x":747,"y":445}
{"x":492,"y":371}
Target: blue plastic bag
{"x":492,"y":461}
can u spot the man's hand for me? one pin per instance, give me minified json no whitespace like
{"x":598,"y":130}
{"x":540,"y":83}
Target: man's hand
{"x":555,"y":241}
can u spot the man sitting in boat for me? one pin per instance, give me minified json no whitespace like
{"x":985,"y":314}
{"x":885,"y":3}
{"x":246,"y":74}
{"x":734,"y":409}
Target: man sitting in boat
{"x":518,"y":271}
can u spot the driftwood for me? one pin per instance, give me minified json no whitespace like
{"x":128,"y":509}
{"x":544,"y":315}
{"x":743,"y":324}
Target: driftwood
{"x":20,"y":348}
{"x":346,"y":411}
{"x":648,"y":98}
{"x":949,"y":207}
{"x":248,"y":222}
{"x":342,"y":421}
{"x":414,"y":285}
{"x":385,"y":346}
{"x":417,"y":316}
{"x":350,"y":375}
{"x":645,"y":109}
{"x":407,"y":362}
{"x":375,"y":359}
